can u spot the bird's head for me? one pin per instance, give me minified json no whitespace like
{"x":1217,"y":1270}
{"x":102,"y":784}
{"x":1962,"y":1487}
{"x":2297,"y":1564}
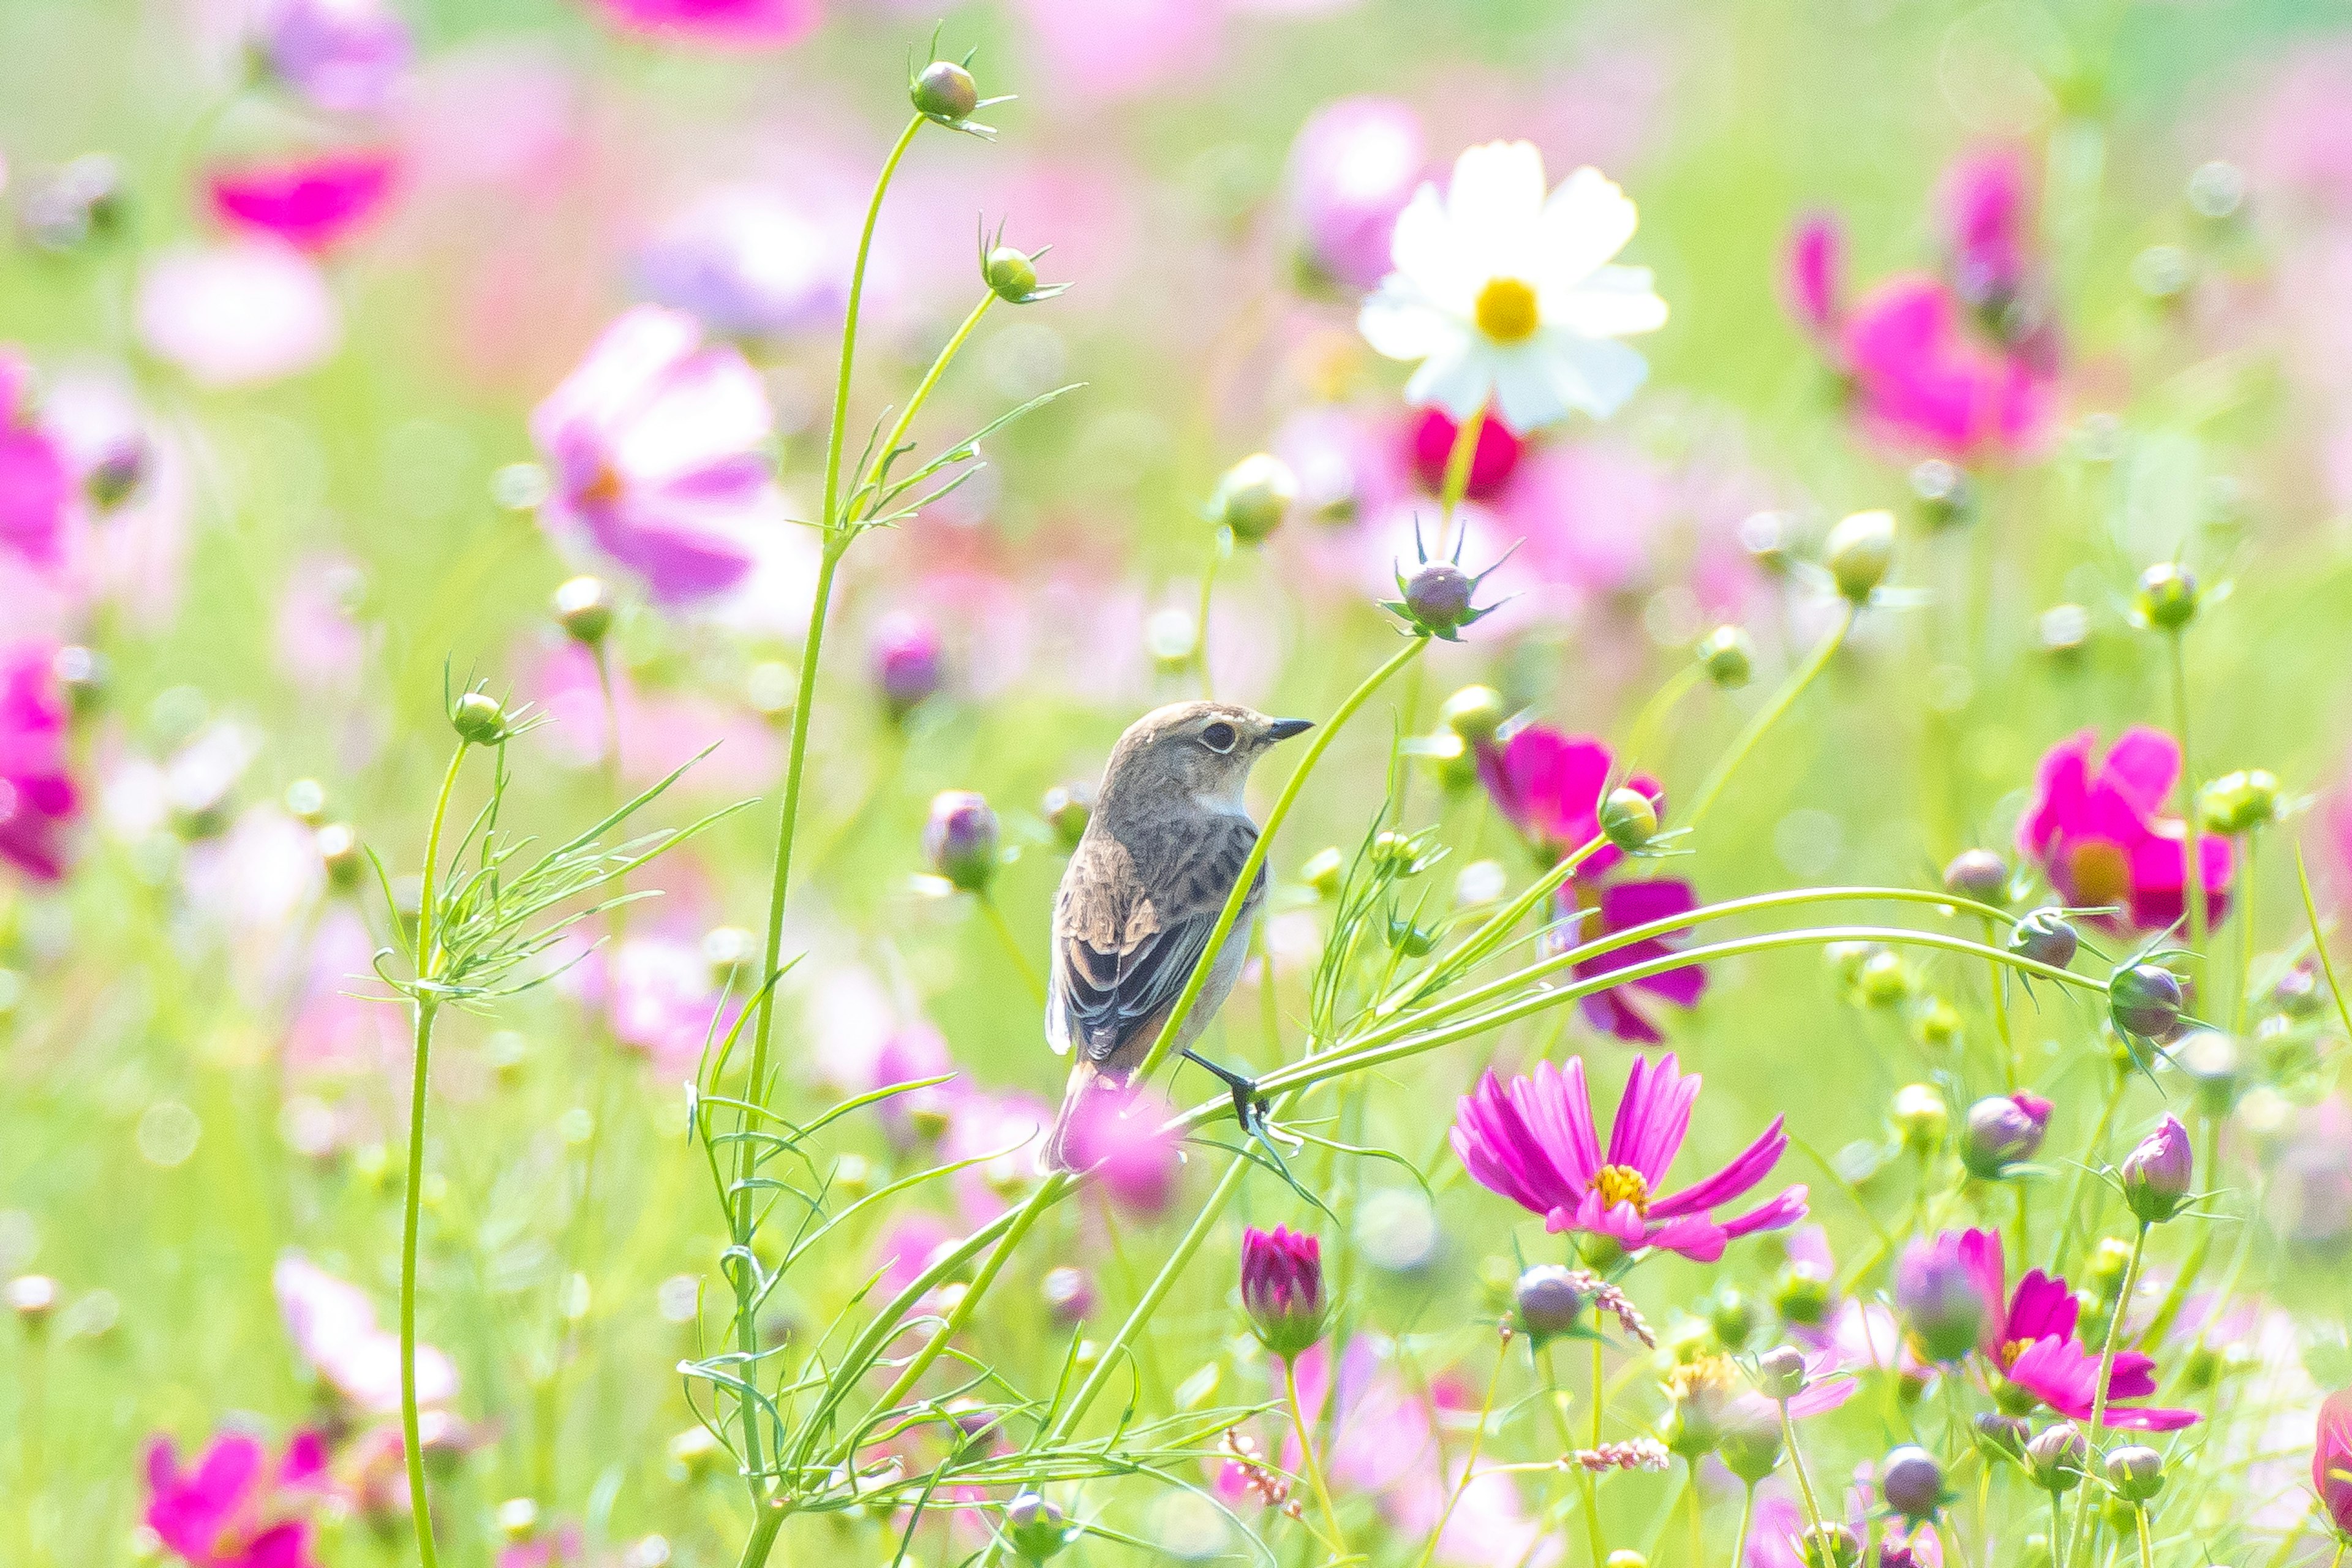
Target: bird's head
{"x":1190,"y":754}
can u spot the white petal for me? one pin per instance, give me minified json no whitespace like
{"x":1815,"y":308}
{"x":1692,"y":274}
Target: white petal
{"x":1527,"y":391}
{"x":1457,"y":379}
{"x":1614,"y":303}
{"x":1426,"y":249}
{"x":1596,"y":374}
{"x":1401,"y":323}
{"x":1587,"y":221}
{"x":1496,"y":202}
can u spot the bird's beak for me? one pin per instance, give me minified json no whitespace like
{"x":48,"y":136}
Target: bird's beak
{"x":1283,"y":729}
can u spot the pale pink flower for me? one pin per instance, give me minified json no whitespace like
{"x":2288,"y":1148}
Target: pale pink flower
{"x":660,"y":731}
{"x":1114,"y":49}
{"x":1119,"y":1140}
{"x":661,"y":999}
{"x":344,"y":56}
{"x":321,"y":637}
{"x":333,"y":1326}
{"x":908,"y":1244}
{"x":36,"y":486}
{"x":717,"y":24}
{"x":1354,"y":165}
{"x":753,"y":264}
{"x":338,"y":1029}
{"x":999,"y":1130}
{"x":654,"y":448}
{"x":240,"y":313}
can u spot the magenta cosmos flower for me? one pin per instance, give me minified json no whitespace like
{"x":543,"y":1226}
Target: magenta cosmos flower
{"x":37,"y":798}
{"x":2028,"y":1338}
{"x":653,"y":447}
{"x":311,"y":203}
{"x":36,"y":484}
{"x":2331,"y":1461}
{"x":1549,"y":786}
{"x":2097,"y":830}
{"x":717,"y":24}
{"x":1534,"y":1142}
{"x":237,"y":1507}
{"x":1281,"y":1289}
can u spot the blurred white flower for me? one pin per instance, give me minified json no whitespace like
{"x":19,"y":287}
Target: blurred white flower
{"x":1507,"y":297}
{"x":238,"y":314}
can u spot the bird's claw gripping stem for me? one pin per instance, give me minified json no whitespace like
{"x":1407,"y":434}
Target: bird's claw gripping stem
{"x":1249,"y":1106}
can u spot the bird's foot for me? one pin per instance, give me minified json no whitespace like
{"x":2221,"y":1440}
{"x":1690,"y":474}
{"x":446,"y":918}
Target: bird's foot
{"x":1249,"y":1106}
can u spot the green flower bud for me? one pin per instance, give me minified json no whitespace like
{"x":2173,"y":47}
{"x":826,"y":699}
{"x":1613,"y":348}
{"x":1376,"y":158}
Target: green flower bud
{"x":1254,"y":495}
{"x":478,"y":719}
{"x":2137,"y":1473}
{"x":1749,"y":1446}
{"x":81,"y":674}
{"x":2168,"y":596}
{"x":2145,"y":1001}
{"x":1921,"y":1117}
{"x":1474,"y":713}
{"x":1035,"y":1528}
{"x":1999,"y":1434}
{"x":1780,"y":1373}
{"x":584,"y":606}
{"x":1801,"y":1295}
{"x":1832,"y":1545}
{"x":1859,"y":552}
{"x":1625,"y":1558}
{"x":945,"y":92}
{"x":1945,"y":495}
{"x":1010,"y":275}
{"x":1323,"y":871}
{"x":1067,"y":808}
{"x":339,"y":851}
{"x":1882,"y":980}
{"x":1628,"y":818}
{"x":2240,"y":801}
{"x":1936,"y":1024}
{"x":1732,"y":1316}
{"x":1727,"y":657}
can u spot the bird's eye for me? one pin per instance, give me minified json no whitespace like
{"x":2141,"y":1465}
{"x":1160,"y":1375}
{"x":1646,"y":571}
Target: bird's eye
{"x":1219,"y":737}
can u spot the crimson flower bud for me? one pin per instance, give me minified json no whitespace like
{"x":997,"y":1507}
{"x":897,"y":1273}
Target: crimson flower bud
{"x":959,"y":839}
{"x":2156,"y":1175}
{"x":1281,"y":1289}
{"x":908,"y":661}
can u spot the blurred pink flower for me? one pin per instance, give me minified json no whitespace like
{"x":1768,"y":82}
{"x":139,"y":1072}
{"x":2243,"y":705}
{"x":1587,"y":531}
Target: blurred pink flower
{"x":2100,"y":835}
{"x":1812,"y":276}
{"x":313,"y":203}
{"x":35,"y":487}
{"x":1587,"y":911}
{"x":321,"y":636}
{"x":1921,"y":381}
{"x":654,"y":448}
{"x":751,"y":264}
{"x":37,"y":797}
{"x":240,"y":313}
{"x":907,"y":1247}
{"x":910,"y":1053}
{"x":342,"y":55}
{"x":1987,"y":221}
{"x":1355,"y":163}
{"x":333,"y":1326}
{"x":236,"y":1508}
{"x":550,"y":1546}
{"x":717,"y":24}
{"x":336,"y":1029}
{"x":661,"y":999}
{"x":1120,"y":1140}
{"x":998,"y":1131}
{"x":660,"y":731}
{"x":125,"y":534}
{"x":1112,"y":48}
{"x":1494,"y":457}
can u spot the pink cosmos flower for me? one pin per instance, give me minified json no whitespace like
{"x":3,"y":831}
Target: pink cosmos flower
{"x":661,"y":1000}
{"x":1535,"y":1143}
{"x":752,"y":265}
{"x":1549,"y":785}
{"x":345,"y":56}
{"x":336,"y":1029}
{"x":1120,"y":1140}
{"x":1492,"y":458}
{"x":312,"y":204}
{"x":1587,"y":913}
{"x":35,"y":486}
{"x":333,"y":1325}
{"x":237,"y":314}
{"x":2028,"y":1338}
{"x":996,"y":1130}
{"x":1112,"y":48}
{"x":653,"y":445}
{"x":37,"y":797}
{"x":1922,"y":381}
{"x":907,"y":1247}
{"x":1812,"y":275}
{"x":236,"y":1508}
{"x":2331,"y":1459}
{"x":2097,"y":830}
{"x":717,"y":24}
{"x":1354,"y":165}
{"x":1986,"y":213}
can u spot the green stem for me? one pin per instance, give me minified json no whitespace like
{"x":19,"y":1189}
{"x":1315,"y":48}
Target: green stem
{"x":1457,"y":474}
{"x":2099,"y":1394}
{"x":1469,"y":1465}
{"x":1314,"y":1466}
{"x":923,"y":388}
{"x":2082,"y":1174}
{"x":1747,"y":1516}
{"x":2147,"y":1551}
{"x":1013,"y":947}
{"x":1790,"y":691}
{"x":2011,"y":1066}
{"x":849,"y":324}
{"x":2319,"y":942}
{"x":1797,"y":1463}
{"x":1591,"y":1481}
{"x":2195,"y":881}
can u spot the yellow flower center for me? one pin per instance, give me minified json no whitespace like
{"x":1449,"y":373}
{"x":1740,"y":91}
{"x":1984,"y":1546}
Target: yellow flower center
{"x":2101,"y":874}
{"x":2011,"y":1350}
{"x":1623,"y":1185}
{"x":1507,"y":309}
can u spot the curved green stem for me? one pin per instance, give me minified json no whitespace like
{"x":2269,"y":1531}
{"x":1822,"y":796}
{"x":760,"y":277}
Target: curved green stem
{"x":1456,"y":483}
{"x":1307,"y":1457}
{"x":1218,"y":550}
{"x":1797,"y":1463}
{"x":849,"y":322}
{"x":2099,"y":1394}
{"x":1771,"y":714}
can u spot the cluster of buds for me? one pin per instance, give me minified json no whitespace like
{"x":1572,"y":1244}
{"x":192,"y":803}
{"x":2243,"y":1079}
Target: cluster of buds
{"x":1634,"y":1454}
{"x":1261,"y":1480}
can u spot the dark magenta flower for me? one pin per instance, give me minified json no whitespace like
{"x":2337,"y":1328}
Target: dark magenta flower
{"x":1988,"y":223}
{"x":1812,"y":272}
{"x":2331,"y":1461}
{"x":1549,"y":785}
{"x":312,"y":204}
{"x":2031,"y":1342}
{"x":1621,"y":906}
{"x":1534,"y":1142}
{"x":37,"y":797}
{"x":236,"y":1508}
{"x":717,"y":24}
{"x":2097,"y":829}
{"x":1492,"y":458}
{"x":36,"y":484}
{"x":1281,"y":1289}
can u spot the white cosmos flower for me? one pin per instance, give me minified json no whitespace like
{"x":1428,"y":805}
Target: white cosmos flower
{"x":1507,"y":296}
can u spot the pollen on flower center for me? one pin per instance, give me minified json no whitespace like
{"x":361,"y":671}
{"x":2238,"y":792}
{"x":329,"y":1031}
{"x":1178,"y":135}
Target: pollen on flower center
{"x":2101,"y":874}
{"x":604,"y":486}
{"x":1507,"y":309}
{"x":1623,"y":1185}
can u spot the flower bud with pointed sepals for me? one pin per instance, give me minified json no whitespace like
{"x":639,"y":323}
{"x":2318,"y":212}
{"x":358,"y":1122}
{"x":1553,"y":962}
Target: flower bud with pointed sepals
{"x":1921,"y":1118}
{"x":1436,"y":598}
{"x":1780,"y":1373}
{"x":1859,"y":552}
{"x":1999,"y":1434}
{"x":1832,"y":1545}
{"x":2001,"y":1131}
{"x":584,"y":608}
{"x":1912,"y":1482}
{"x":959,"y":839}
{"x":1978,"y":874}
{"x":1474,"y":713}
{"x":1067,"y":808}
{"x":1547,"y":1303}
{"x":1255,"y":495}
{"x":1628,"y":818}
{"x":2045,"y":937}
{"x":2145,"y":1001}
{"x":1727,"y":657}
{"x":1011,"y":276}
{"x":945,"y":92}
{"x":2137,"y":1473}
{"x":2168,"y":596}
{"x":907,"y":661}
{"x":2155,"y":1176}
{"x":2054,"y":1457}
{"x":1732,"y":1316}
{"x":1034,"y":1528}
{"x":478,"y":719}
{"x":1281,"y":1289}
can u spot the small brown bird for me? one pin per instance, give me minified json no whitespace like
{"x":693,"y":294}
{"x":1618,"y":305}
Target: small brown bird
{"x":1143,"y":891}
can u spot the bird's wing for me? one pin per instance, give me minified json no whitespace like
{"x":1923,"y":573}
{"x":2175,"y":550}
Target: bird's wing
{"x":1125,"y":943}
